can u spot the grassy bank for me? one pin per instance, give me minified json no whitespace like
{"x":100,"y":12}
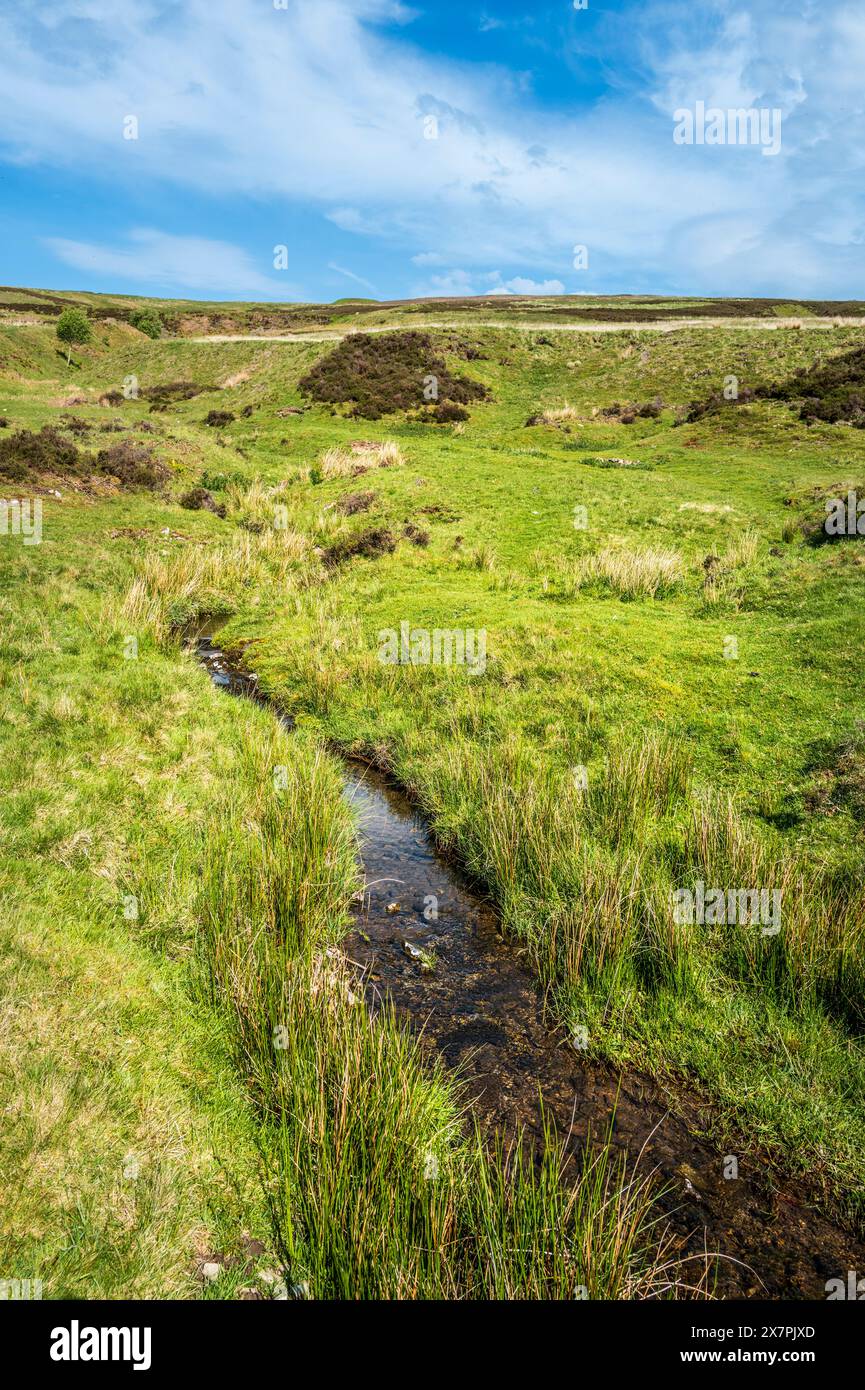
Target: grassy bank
{"x":191,"y":1077}
{"x":609,"y":647}
{"x":669,"y":696}
{"x":129,"y":1152}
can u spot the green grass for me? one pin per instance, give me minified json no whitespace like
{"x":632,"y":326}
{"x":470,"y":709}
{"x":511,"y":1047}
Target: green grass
{"x":376,"y":1191}
{"x":609,"y":648}
{"x":129,"y":1152}
{"x":186,"y":1067}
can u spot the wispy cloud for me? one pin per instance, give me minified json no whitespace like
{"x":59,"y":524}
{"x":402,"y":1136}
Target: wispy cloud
{"x":350,"y":275}
{"x":326,"y":105}
{"x":154,"y":258}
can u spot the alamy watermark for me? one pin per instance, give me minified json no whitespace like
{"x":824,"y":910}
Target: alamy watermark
{"x":77,"y":1343}
{"x":730,"y":906}
{"x":20,"y":1290}
{"x":850,"y":1288}
{"x":845,"y":516}
{"x":733,"y":126}
{"x":417,"y":646}
{"x":22,"y":518}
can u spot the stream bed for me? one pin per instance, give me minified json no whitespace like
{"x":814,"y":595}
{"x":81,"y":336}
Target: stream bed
{"x":425,"y":938}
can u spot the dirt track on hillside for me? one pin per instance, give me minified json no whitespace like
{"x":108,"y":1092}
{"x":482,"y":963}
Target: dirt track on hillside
{"x":658,"y":326}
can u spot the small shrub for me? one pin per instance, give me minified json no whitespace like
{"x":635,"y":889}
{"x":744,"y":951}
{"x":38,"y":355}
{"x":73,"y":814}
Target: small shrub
{"x":832,"y":391}
{"x":377,"y":540}
{"x":416,"y":534}
{"x":29,"y":454}
{"x":47,"y":453}
{"x":386,"y":373}
{"x":628,"y":414}
{"x":218,"y":482}
{"x":147,"y":321}
{"x":168,"y":393}
{"x":199,"y":499}
{"x":354,"y":502}
{"x":218,"y":418}
{"x":75,"y":425}
{"x":134,"y":465}
{"x":714,"y":404}
{"x":446,"y":413}
{"x":595,"y":461}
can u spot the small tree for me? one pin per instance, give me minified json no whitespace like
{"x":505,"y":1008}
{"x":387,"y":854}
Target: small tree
{"x":147,"y":321}
{"x":73,"y":326}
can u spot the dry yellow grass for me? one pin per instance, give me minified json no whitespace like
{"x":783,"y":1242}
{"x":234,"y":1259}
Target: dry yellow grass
{"x":555,"y":415}
{"x":648,"y":573}
{"x":169,"y":588}
{"x":723,"y":580}
{"x":343,"y":463}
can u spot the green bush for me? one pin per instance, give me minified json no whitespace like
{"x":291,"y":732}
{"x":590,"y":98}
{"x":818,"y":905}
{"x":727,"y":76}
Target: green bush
{"x":73,"y":326}
{"x":147,"y":321}
{"x":380,"y":375}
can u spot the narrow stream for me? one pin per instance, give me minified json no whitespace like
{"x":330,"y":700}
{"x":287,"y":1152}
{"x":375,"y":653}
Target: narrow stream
{"x":428,"y":941}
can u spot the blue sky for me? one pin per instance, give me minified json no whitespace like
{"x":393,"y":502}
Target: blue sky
{"x":307,"y":124}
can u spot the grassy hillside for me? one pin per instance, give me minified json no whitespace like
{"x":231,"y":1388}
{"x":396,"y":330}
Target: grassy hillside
{"x":185,"y":317}
{"x":672,"y":692}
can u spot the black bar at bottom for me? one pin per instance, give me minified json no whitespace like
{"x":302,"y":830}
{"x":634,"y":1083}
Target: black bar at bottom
{"x":293,"y":1337}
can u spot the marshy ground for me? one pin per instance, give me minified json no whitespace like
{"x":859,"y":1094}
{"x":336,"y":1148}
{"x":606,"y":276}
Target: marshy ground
{"x":671,"y":694}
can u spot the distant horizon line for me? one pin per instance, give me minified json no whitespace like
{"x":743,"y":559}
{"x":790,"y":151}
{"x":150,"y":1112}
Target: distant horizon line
{"x":509,"y":298}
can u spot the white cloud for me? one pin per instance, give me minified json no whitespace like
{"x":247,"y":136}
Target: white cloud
{"x":319,"y":104}
{"x":457,"y":282}
{"x":520,"y":285}
{"x":358,"y":279}
{"x":350,"y":220}
{"x":464,"y":282}
{"x":311,"y":104}
{"x":191,"y":263}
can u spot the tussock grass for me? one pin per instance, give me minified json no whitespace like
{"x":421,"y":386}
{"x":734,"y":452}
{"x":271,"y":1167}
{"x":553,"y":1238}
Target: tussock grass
{"x":572,"y":869}
{"x":818,"y":956}
{"x":257,"y":507}
{"x":378,"y":1190}
{"x":349,"y":463}
{"x":173,"y":590}
{"x":481,"y":557}
{"x":726,"y":576}
{"x":556,"y":415}
{"x":641,"y":782}
{"x":653,"y":572}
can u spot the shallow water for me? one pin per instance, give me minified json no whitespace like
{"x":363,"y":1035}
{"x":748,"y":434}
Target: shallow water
{"x":425,"y":938}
